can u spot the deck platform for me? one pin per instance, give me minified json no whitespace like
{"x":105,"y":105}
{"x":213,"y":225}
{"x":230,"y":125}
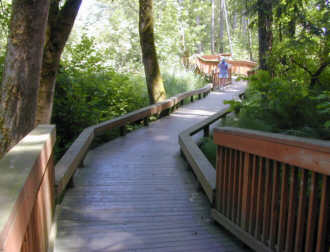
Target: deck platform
{"x":136,"y":193}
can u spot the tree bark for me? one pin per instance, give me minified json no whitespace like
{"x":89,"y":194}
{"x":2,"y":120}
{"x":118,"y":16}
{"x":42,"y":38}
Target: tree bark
{"x":221,"y":25}
{"x":200,"y":45}
{"x":154,"y":79}
{"x":212,"y":27}
{"x":60,"y":23}
{"x":265,"y":19}
{"x":20,"y":83}
{"x":250,"y":43}
{"x":227,"y":25}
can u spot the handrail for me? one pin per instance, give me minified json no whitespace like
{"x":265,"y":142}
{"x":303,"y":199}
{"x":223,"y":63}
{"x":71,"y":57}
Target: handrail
{"x":26,"y":192}
{"x":272,"y":190}
{"x":208,"y":65}
{"x":202,"y":168}
{"x":67,"y":165}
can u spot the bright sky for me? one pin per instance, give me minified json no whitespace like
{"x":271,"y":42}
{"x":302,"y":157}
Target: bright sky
{"x":92,"y":16}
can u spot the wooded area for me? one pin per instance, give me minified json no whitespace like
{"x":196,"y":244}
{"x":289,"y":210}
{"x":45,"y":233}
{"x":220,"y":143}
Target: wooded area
{"x":104,"y":56}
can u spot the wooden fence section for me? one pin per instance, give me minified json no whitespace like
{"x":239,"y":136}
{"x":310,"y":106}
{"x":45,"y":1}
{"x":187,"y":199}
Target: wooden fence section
{"x":27,"y":192}
{"x":272,"y":191}
{"x":208,"y":65}
{"x":202,"y":168}
{"x":66,"y":167}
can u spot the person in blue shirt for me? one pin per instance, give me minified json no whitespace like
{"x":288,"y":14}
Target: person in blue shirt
{"x":223,"y":72}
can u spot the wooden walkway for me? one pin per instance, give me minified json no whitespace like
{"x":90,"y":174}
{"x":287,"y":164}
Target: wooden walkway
{"x":136,"y":193}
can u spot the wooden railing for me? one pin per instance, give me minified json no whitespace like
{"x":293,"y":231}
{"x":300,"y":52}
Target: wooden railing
{"x":202,"y":168}
{"x":71,"y":160}
{"x":27,"y":192}
{"x":208,"y":65}
{"x":272,"y":191}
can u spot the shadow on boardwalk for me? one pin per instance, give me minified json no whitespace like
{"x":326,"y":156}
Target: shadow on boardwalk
{"x":136,"y":193}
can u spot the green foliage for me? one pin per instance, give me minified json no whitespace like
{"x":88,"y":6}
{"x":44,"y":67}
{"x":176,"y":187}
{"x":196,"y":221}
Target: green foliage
{"x":277,"y":105}
{"x":181,"y":81}
{"x":209,"y":148}
{"x":5,"y":13}
{"x":88,"y":93}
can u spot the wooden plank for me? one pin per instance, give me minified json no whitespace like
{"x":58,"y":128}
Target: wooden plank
{"x":267,"y":201}
{"x":311,"y":217}
{"x":253,"y":197}
{"x":67,"y":165}
{"x":274,"y":206}
{"x":301,"y":218}
{"x":225,"y":181}
{"x":230,"y":184}
{"x":240,"y":187}
{"x":323,"y":217}
{"x":241,"y":234}
{"x":287,"y":149}
{"x":204,"y":171}
{"x":219,"y":173}
{"x":292,"y":210}
{"x":21,"y":176}
{"x":260,"y":196}
{"x":283,"y":208}
{"x":235,"y":185}
{"x":246,"y":192}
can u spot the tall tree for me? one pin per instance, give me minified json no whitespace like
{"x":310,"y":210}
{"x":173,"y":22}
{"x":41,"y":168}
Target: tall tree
{"x":154,"y":79}
{"x":221,"y":27}
{"x":60,"y":23}
{"x":21,"y":77}
{"x":265,"y":19}
{"x":212,"y":27}
{"x":227,"y":25}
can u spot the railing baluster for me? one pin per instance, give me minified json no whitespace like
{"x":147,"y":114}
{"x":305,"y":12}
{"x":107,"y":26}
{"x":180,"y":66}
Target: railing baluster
{"x":301,"y":218}
{"x":292,"y":209}
{"x":274,"y":206}
{"x":240,"y":186}
{"x":260,"y":194}
{"x":235,"y":185}
{"x":219,"y":182}
{"x":225,"y":181}
{"x":311,"y":219}
{"x":283,"y":208}
{"x":323,"y":218}
{"x":230,"y":184}
{"x":253,"y":195}
{"x":246,"y":191}
{"x":267,"y":202}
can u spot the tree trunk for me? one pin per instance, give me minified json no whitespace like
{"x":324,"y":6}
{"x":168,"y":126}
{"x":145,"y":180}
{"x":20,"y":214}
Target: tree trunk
{"x":265,"y":19}
{"x":221,"y":25}
{"x":199,"y":46}
{"x":227,"y":25}
{"x":20,"y":83}
{"x":60,"y":23}
{"x":212,"y":27}
{"x":154,"y":79}
{"x":249,"y":38}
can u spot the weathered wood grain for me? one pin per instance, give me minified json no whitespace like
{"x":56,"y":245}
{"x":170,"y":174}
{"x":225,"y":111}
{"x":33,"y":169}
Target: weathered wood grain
{"x":135,"y":193}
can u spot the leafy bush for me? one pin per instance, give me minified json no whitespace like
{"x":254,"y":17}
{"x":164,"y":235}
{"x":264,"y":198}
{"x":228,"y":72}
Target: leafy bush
{"x":209,"y":148}
{"x":181,"y":81}
{"x":282,"y":106}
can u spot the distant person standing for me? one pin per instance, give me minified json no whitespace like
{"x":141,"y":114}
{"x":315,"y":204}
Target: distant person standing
{"x":223,"y":72}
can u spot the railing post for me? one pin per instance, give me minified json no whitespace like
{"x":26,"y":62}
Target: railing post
{"x":207,"y":131}
{"x":123,"y":130}
{"x":146,"y":121}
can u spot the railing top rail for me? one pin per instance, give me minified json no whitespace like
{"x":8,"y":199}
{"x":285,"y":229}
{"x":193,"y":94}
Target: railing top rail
{"x":311,"y":154}
{"x":17,"y":170}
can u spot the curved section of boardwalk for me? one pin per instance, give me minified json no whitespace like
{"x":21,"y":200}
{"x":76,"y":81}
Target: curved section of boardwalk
{"x":136,"y":193}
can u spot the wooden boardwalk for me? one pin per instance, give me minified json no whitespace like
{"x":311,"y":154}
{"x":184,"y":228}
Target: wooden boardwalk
{"x":136,"y":193}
